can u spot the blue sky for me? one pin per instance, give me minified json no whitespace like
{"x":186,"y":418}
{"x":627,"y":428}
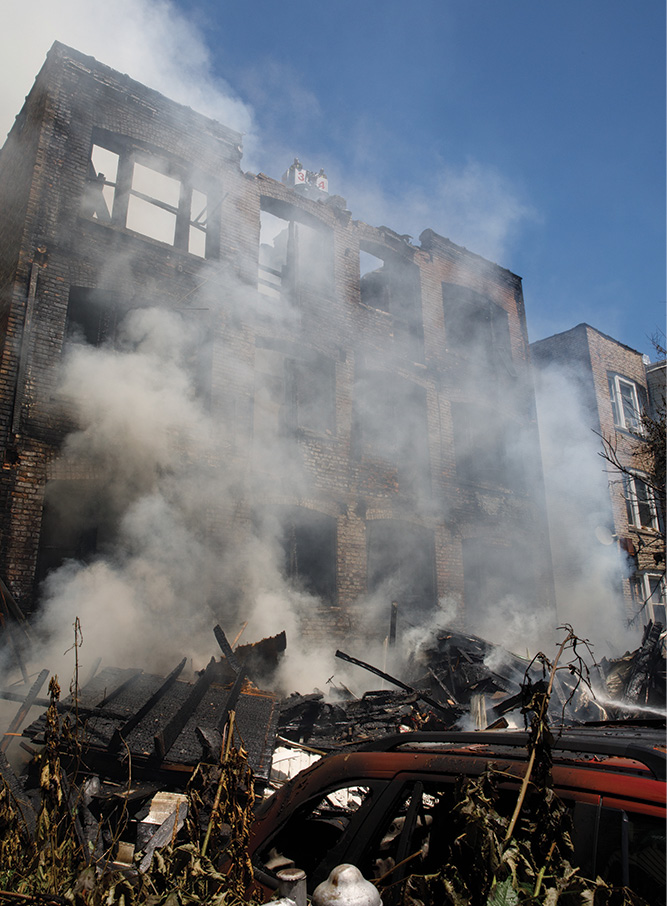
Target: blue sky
{"x":554,"y":110}
{"x":532,"y":132}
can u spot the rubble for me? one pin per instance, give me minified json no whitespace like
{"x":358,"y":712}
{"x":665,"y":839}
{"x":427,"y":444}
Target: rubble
{"x":132,"y":741}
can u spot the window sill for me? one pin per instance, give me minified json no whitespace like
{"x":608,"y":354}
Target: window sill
{"x":131,"y":236}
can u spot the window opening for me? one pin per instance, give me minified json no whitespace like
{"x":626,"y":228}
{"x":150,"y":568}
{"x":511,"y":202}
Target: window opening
{"x":391,"y":418}
{"x":309,"y":547}
{"x":292,"y":254}
{"x":477,"y":328}
{"x":198,"y":224}
{"x":293,"y":394}
{"x":152,"y":207}
{"x":393,"y":284}
{"x":401,"y":566}
{"x":310,"y":386}
{"x":102,"y":181}
{"x":625,"y":403}
{"x":648,"y":596}
{"x":640,"y":503}
{"x":481,"y":448}
{"x":91,"y":316}
{"x":74,"y":524}
{"x":146,"y":195}
{"x":274,"y":240}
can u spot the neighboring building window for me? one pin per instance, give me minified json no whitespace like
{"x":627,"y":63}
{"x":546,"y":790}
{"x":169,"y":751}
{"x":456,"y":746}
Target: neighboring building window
{"x":149,"y":195}
{"x":628,"y":401}
{"x":640,"y":503}
{"x":648,"y":594}
{"x":391,"y":283}
{"x":292,"y":254}
{"x":477,"y":328}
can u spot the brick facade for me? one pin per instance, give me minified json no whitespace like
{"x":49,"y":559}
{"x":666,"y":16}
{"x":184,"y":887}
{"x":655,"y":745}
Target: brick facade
{"x":430,"y":349}
{"x":613,"y":383}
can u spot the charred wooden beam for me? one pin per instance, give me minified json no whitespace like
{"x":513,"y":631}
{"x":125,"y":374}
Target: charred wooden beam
{"x":15,"y":787}
{"x":211,"y":738}
{"x":119,"y":689}
{"x":121,"y":732}
{"x":226,"y":648}
{"x":166,"y":737}
{"x":232,"y":700}
{"x":26,"y":705}
{"x":392,"y":679}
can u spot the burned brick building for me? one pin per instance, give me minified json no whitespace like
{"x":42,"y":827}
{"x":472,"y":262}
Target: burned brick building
{"x":616,"y":385}
{"x":370,"y":400}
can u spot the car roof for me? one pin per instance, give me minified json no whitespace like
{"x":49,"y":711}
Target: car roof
{"x":647,"y":746}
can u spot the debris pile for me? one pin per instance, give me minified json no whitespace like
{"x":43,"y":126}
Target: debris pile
{"x":129,"y":736}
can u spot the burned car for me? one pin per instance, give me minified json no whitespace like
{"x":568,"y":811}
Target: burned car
{"x":385,"y":806}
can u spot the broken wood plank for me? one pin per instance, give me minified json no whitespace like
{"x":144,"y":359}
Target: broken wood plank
{"x":26,"y":705}
{"x":120,"y":733}
{"x":15,"y":787}
{"x":392,"y":679}
{"x":226,"y":648}
{"x":232,"y":699}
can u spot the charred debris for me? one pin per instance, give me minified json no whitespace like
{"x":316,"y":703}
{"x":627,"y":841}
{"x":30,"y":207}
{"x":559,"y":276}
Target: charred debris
{"x":164,"y":726}
{"x":130,"y":752}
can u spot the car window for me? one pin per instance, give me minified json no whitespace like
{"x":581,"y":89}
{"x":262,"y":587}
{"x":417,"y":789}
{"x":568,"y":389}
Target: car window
{"x":315,"y":829}
{"x":408,"y":837}
{"x":635,"y":855}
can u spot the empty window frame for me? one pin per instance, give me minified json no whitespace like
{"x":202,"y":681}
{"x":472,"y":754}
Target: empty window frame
{"x":392,"y":421}
{"x":293,"y":254}
{"x":149,"y":195}
{"x":648,"y":595}
{"x":310,"y":392}
{"x":308,"y":541}
{"x":292,"y":392}
{"x":91,"y":316}
{"x":481,"y":448}
{"x":74,"y":524}
{"x":640,"y":503}
{"x":628,"y":401}
{"x":401,"y":567}
{"x":391,"y":283}
{"x":477,"y":328}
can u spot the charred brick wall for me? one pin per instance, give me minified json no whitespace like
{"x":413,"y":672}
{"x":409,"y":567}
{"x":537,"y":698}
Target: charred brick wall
{"x":381,"y":378}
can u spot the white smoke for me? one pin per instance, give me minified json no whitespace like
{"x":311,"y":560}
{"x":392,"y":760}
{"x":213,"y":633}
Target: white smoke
{"x":587,"y":572}
{"x":151,"y":40}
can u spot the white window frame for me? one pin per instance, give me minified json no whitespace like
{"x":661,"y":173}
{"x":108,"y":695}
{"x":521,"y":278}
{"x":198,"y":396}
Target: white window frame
{"x":626,"y":416}
{"x":632,"y":499}
{"x":648,"y":592}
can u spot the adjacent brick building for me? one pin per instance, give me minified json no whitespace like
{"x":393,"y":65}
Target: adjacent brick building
{"x":373,"y":398}
{"x":616,"y":385}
